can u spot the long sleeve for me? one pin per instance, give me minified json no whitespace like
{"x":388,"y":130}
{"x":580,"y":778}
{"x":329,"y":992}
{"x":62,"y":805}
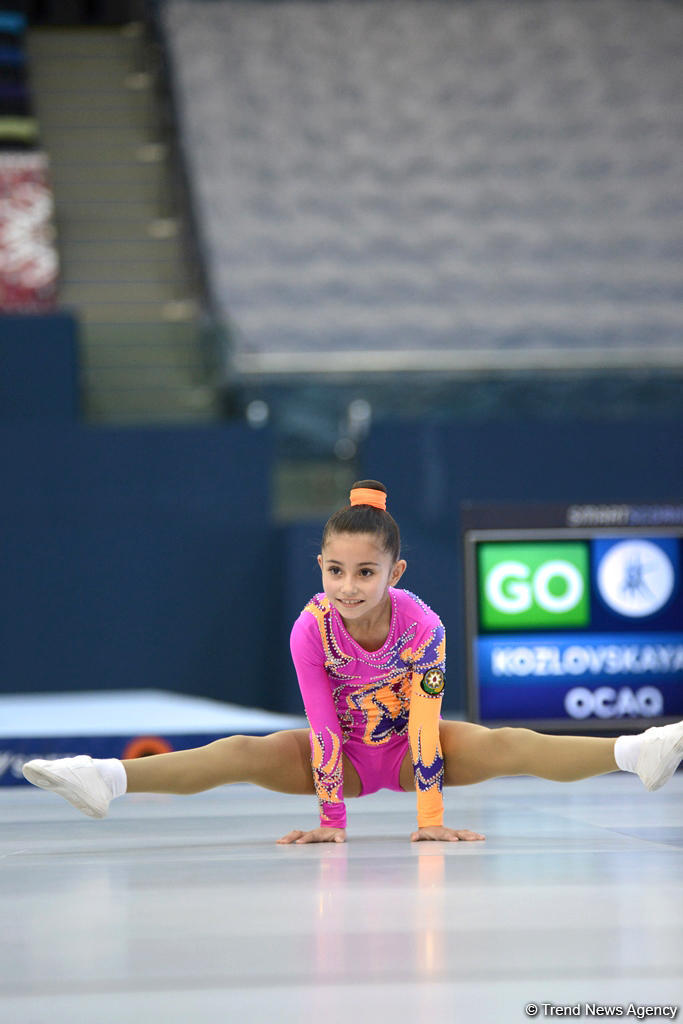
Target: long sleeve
{"x":326,"y":733}
{"x":427,"y":683}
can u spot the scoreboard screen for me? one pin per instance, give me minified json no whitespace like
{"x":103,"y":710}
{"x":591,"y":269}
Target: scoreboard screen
{"x":574,"y":615}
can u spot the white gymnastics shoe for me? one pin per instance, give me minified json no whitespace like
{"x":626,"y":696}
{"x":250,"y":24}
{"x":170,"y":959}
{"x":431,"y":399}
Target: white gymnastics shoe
{"x":660,"y":754}
{"x":77,"y":779}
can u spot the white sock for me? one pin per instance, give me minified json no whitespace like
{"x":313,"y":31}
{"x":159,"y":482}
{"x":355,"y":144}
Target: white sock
{"x":626,"y":751}
{"x":114,"y":774}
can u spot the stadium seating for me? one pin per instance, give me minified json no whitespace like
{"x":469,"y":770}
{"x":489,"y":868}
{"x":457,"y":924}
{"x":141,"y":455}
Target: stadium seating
{"x":28,"y":259}
{"x":389,"y":184}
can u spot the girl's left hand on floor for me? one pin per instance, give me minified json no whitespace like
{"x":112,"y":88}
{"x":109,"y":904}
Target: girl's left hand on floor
{"x":315,"y":835}
{"x":446,"y":835}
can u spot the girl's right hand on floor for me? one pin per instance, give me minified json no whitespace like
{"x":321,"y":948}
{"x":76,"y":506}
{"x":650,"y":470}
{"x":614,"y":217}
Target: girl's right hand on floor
{"x":316,"y":835}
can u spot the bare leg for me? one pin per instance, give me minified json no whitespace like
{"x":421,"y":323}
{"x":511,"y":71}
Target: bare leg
{"x":280,"y":761}
{"x":473,"y":753}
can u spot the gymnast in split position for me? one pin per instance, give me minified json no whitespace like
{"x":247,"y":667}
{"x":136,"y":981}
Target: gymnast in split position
{"x":370,"y":659}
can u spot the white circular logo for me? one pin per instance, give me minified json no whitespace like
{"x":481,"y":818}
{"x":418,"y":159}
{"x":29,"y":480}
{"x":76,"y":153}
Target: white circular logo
{"x":635,"y":578}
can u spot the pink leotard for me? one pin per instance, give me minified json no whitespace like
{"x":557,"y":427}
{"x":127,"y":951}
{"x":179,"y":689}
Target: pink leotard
{"x":372,"y":705}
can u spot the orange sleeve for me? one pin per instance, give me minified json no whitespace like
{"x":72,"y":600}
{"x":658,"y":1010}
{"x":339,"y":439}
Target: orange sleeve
{"x":425,"y":747}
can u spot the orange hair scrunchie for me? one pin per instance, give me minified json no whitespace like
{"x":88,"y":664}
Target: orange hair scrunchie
{"x":368,"y":496}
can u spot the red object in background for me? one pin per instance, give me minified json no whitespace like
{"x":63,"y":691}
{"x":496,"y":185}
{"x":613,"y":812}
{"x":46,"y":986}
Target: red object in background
{"x":144,"y":746}
{"x":28,"y":257}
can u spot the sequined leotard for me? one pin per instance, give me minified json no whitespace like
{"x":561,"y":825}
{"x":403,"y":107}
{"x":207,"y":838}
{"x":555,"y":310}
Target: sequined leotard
{"x":372,"y":705}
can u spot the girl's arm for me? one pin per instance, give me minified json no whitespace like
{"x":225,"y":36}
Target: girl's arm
{"x":427,"y":658}
{"x":427,"y":686}
{"x":326,"y":734}
{"x":423,"y":731}
{"x":328,"y":771}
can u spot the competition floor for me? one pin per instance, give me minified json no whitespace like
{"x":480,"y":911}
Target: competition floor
{"x":183,"y":909}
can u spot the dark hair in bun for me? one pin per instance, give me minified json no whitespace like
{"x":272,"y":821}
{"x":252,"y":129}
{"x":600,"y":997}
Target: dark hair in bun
{"x":362,"y":518}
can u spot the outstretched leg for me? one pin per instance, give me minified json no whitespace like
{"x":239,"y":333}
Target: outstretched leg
{"x":473,"y":753}
{"x":280,"y":761}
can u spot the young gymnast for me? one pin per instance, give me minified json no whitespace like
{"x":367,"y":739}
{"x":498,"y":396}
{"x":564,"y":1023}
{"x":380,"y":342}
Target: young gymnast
{"x":370,"y":660}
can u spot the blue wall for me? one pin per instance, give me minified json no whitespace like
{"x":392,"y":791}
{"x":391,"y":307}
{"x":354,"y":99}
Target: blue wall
{"x":39,"y":368}
{"x":148,"y":558}
{"x":135,"y":558}
{"x":131,"y":558}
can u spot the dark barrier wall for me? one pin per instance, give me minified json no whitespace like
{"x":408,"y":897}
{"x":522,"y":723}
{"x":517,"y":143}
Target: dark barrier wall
{"x":38,"y":368}
{"x":299,"y":546}
{"x":430,"y":468}
{"x":136,"y":558}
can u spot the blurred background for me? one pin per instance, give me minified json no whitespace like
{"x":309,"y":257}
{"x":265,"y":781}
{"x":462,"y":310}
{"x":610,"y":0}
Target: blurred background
{"x":252,"y":251}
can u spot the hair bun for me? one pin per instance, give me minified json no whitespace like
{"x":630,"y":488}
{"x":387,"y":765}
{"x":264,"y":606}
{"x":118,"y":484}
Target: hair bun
{"x":373,"y":485}
{"x":366,"y":514}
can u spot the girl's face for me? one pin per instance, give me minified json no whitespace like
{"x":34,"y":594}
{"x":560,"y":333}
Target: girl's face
{"x":356,"y":572}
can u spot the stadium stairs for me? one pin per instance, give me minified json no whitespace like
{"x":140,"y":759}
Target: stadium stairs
{"x":126,"y":266}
